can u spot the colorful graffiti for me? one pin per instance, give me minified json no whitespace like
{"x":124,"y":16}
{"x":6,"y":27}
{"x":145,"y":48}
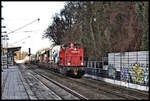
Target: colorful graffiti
{"x":135,"y":73}
{"x":124,"y":75}
{"x":111,"y":71}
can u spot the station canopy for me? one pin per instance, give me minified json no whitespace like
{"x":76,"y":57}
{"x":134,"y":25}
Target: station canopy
{"x":13,"y":49}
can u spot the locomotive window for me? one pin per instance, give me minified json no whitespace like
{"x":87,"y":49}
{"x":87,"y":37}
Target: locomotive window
{"x":80,"y":57}
{"x":67,"y":47}
{"x":76,"y":46}
{"x":66,"y":54}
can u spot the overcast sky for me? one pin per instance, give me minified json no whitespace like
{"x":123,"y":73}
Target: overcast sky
{"x":17,"y":14}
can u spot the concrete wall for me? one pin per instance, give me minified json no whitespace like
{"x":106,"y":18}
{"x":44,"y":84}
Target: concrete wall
{"x":130,"y":69}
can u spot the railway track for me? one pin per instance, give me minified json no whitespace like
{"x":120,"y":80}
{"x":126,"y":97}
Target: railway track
{"x":63,"y":92}
{"x":101,"y":87}
{"x":61,"y":86}
{"x":104,"y":89}
{"x":125,"y":92}
{"x":128,"y":91}
{"x":109,"y":90}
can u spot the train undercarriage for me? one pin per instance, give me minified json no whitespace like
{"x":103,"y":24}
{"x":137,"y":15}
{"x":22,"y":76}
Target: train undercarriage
{"x":75,"y":71}
{"x":72,"y":71}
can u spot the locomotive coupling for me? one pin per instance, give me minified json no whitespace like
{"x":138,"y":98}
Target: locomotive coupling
{"x":75,"y":71}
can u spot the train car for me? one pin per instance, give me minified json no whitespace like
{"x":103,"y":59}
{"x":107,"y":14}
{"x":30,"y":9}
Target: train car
{"x":32,"y":58}
{"x":72,"y":60}
{"x":54,"y":54}
{"x":37,"y":58}
{"x":54,"y":57}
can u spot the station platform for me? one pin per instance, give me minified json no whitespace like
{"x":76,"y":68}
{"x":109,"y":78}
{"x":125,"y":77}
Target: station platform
{"x":11,"y":84}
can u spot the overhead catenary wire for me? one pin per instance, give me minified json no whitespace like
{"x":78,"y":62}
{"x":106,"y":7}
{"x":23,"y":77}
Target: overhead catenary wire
{"x":24,"y":26}
{"x":22,"y":39}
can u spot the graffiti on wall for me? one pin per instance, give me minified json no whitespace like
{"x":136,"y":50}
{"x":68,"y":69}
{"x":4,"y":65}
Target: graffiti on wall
{"x":135,"y":73}
{"x":124,"y":74}
{"x":111,"y":71}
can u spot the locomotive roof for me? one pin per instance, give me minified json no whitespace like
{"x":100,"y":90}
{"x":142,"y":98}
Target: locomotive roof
{"x":68,"y":44}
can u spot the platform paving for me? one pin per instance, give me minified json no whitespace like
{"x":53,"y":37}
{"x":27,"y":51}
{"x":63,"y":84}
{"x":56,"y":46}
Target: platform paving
{"x":12,"y":85}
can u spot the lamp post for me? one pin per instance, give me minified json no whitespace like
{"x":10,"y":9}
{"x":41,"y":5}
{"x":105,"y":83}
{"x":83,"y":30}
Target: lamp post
{"x":5,"y":38}
{"x":4,"y":41}
{"x":5,"y":45}
{"x":7,"y":50}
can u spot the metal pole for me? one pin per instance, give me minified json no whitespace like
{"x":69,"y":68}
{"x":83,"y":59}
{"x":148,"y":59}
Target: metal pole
{"x":128,"y":72}
{"x":7,"y":58}
{"x":114,"y":68}
{"x":120,"y":68}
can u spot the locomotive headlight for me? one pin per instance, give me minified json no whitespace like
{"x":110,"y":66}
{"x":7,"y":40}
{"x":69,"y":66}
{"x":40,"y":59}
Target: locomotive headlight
{"x":81,"y":63}
{"x":69,"y":63}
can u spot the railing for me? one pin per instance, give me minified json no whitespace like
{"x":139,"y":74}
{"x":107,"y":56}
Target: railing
{"x":96,"y":68}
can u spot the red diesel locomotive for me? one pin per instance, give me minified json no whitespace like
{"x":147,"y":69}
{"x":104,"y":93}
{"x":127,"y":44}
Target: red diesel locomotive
{"x":72,"y":60}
